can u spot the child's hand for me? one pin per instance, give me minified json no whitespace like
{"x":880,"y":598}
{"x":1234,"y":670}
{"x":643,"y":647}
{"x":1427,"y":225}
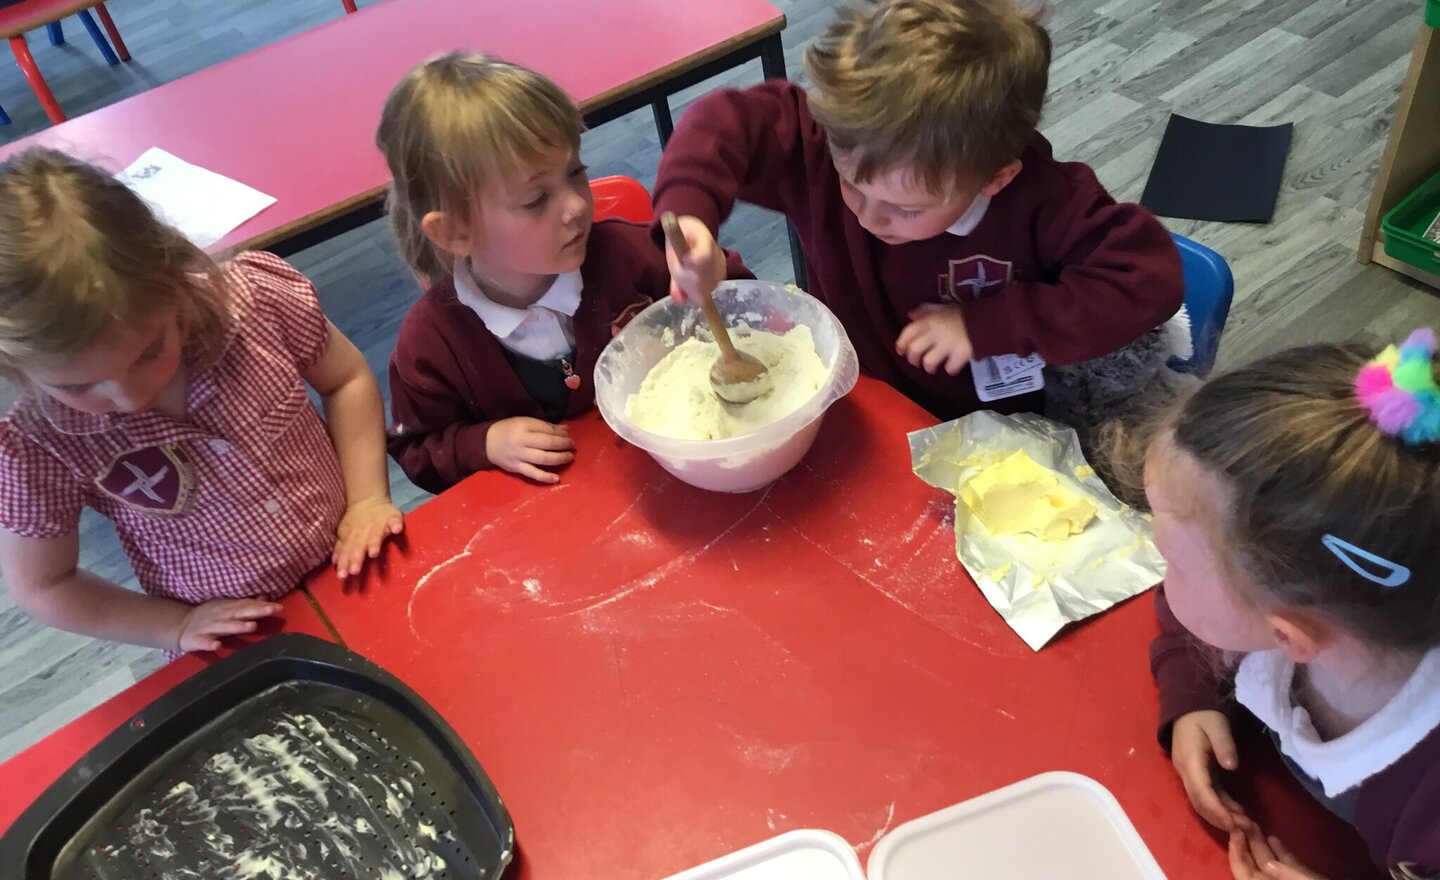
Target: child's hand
{"x":206,"y":623}
{"x":936,"y":337}
{"x":1254,"y":857}
{"x":362,"y":530}
{"x":524,"y":446}
{"x":702,"y":269}
{"x":1196,"y":739}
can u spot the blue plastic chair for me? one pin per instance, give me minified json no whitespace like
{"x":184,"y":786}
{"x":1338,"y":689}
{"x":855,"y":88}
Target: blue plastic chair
{"x":1209,"y":288}
{"x":4,"y":120}
{"x":57,"y":36}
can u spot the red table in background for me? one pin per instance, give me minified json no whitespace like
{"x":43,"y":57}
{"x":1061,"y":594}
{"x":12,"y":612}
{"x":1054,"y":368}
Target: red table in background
{"x":25,"y":776}
{"x":296,"y":119}
{"x":653,"y":675}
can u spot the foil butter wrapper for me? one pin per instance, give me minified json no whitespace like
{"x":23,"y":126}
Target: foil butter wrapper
{"x":1038,"y":586}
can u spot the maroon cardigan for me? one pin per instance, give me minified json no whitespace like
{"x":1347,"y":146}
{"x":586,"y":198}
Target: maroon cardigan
{"x":450,"y":380}
{"x":1086,"y":275}
{"x":1397,"y":811}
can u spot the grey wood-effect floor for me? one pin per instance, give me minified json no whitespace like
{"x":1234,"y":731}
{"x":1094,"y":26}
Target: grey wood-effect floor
{"x":1333,"y":67}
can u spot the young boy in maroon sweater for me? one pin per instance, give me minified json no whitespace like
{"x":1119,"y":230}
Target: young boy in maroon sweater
{"x":934,"y":220}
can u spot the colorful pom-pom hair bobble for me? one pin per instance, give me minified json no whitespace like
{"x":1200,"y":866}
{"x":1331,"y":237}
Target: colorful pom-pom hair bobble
{"x":1398,"y":388}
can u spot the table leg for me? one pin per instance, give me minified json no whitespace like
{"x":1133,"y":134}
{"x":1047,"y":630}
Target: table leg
{"x":113,"y":31}
{"x":36,"y":80}
{"x":100,"y":42}
{"x":664,"y":125}
{"x":772,"y":57}
{"x":349,"y":6}
{"x":772,"y":62}
{"x":57,"y":33}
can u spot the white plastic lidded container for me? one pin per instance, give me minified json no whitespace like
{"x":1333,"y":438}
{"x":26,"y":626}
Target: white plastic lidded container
{"x":735,"y":464}
{"x":795,"y":855}
{"x":1055,"y":825}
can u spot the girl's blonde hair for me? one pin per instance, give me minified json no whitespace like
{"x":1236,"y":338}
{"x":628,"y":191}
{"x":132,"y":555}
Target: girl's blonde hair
{"x":80,"y":253}
{"x":455,"y":125}
{"x":1299,"y":459}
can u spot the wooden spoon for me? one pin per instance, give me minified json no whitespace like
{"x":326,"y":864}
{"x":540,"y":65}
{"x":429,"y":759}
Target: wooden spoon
{"x":736,"y":376}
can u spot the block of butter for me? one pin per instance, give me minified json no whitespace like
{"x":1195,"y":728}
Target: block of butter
{"x":1016,"y":494}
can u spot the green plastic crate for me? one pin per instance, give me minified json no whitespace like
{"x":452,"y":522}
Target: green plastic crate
{"x":1405,"y":226}
{"x":1432,"y":13}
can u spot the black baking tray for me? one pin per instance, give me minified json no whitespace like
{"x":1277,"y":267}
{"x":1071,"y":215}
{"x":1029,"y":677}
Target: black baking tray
{"x":293,"y":759}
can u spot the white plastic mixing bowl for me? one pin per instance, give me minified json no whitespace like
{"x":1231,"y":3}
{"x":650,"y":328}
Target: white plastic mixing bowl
{"x":735,"y":464}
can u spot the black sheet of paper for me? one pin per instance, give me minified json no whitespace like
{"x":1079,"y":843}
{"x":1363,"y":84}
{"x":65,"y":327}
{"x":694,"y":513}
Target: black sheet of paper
{"x":1230,"y":173}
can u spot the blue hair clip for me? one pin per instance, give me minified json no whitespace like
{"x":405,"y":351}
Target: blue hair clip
{"x":1393,"y":574}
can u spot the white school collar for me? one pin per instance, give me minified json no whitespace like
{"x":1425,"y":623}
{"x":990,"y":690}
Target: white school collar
{"x":1264,"y":682}
{"x":563,"y":297}
{"x":971,"y":218}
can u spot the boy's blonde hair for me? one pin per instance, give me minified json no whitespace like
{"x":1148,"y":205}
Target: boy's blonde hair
{"x":950,"y":88}
{"x":80,"y":253}
{"x":455,"y":125}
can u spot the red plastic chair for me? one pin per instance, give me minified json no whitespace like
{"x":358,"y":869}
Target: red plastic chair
{"x":30,"y":15}
{"x":622,"y":197}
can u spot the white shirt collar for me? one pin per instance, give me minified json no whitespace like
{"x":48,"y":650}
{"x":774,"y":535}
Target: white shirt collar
{"x":1263,"y":684}
{"x":563,"y":297}
{"x":971,"y":218}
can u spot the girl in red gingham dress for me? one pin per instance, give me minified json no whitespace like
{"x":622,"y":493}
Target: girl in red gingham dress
{"x":168,"y":393}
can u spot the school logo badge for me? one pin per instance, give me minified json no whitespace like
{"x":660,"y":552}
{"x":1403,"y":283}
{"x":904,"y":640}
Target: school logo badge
{"x":156,"y":479}
{"x":975,"y":277}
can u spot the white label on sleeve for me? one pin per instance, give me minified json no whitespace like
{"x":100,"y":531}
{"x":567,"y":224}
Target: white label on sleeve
{"x":1007,"y":375}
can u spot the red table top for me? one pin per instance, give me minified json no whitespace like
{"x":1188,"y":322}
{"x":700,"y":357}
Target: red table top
{"x":24,"y":777}
{"x":296,"y":119}
{"x":653,"y":675}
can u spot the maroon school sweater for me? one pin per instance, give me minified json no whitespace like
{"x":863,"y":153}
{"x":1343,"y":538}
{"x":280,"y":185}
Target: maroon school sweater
{"x":1397,"y":811}
{"x":1067,"y":273}
{"x":450,"y":379}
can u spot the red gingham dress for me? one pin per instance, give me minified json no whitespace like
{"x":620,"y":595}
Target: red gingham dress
{"x":240,"y":501}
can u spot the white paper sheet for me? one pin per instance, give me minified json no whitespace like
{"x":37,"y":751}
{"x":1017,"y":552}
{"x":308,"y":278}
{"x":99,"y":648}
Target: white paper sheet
{"x":200,"y":203}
